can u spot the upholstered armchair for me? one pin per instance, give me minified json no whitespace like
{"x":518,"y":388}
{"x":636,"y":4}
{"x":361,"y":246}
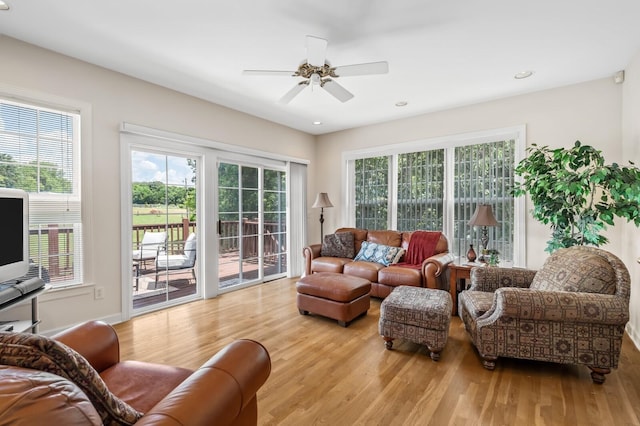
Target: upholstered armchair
{"x":573,"y":310}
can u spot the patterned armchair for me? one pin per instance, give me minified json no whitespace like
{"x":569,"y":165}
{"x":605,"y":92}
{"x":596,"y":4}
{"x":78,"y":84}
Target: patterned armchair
{"x":573,"y":310}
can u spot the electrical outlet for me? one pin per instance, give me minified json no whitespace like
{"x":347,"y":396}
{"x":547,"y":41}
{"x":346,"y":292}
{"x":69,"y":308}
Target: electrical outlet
{"x":98,"y":293}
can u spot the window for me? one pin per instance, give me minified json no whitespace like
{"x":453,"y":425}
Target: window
{"x":436,"y":185}
{"x":421,"y":190}
{"x":39,"y":153}
{"x":372,"y":181}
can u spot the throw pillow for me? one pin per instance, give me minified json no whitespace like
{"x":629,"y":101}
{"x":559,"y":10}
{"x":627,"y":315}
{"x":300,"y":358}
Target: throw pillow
{"x":379,"y":253}
{"x":41,"y":353}
{"x":339,"y":244}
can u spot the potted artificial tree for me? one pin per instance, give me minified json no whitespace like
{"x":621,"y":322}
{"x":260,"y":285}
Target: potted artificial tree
{"x":577,"y":194}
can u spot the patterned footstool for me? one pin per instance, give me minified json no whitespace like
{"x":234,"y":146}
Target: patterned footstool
{"x":420,"y":315}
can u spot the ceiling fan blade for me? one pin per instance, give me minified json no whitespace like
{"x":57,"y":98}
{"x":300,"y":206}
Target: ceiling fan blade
{"x":362,"y":69}
{"x":339,"y":92}
{"x":269,"y":72}
{"x":316,"y":51}
{"x":293,"y":92}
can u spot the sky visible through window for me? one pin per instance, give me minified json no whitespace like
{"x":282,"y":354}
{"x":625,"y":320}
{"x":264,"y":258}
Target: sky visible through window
{"x":150,"y":167}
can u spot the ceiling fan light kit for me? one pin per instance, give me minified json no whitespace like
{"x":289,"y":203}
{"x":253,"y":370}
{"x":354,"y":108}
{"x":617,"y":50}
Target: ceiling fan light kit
{"x":317,"y":71}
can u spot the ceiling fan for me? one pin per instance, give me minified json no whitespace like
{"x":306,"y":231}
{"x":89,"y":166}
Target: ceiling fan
{"x":317,"y":71}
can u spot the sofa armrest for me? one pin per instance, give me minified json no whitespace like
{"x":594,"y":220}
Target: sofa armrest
{"x":219,"y":392}
{"x":96,"y":341}
{"x":489,"y":279}
{"x":310,"y":252}
{"x":440,"y":261}
{"x":561,"y":306}
{"x":433,"y":267}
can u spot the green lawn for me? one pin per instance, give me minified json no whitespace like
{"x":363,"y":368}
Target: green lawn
{"x":150,"y":215}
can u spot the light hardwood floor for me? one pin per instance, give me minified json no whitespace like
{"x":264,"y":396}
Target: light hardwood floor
{"x":326,"y":374}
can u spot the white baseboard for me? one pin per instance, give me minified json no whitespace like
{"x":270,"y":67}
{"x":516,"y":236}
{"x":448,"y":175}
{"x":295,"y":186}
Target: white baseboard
{"x":633,"y":334}
{"x":110,"y":319}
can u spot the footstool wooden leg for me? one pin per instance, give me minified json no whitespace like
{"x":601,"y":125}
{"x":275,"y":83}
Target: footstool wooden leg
{"x":598,"y":374}
{"x":344,"y":324}
{"x":489,"y":362}
{"x":388,"y":342}
{"x":435,"y":355}
{"x":303,"y":312}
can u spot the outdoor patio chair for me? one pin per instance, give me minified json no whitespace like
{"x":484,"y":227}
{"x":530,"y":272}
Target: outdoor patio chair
{"x":152,"y":243}
{"x":166,"y":262}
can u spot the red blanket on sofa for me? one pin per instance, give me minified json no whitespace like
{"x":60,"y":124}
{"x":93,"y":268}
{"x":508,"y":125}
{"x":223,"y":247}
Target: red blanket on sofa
{"x":421,"y":246}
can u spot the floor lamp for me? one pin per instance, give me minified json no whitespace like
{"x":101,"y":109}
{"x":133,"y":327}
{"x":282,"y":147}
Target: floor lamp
{"x":483,"y":216}
{"x":322,"y":201}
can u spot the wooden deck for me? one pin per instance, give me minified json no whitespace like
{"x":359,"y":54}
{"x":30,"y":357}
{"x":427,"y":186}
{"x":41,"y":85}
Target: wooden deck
{"x":182,"y":284}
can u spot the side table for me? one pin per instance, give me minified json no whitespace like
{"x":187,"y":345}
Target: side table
{"x":458,"y":271}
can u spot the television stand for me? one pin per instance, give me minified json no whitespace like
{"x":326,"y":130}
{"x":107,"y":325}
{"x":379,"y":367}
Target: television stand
{"x":20,"y":326}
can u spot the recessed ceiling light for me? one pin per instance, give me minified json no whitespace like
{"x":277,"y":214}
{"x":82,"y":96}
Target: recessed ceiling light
{"x":3,"y":5}
{"x":401,"y":103}
{"x":523,"y":74}
{"x":317,"y":123}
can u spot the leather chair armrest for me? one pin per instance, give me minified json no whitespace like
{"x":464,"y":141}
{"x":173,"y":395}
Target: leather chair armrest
{"x":557,"y":306}
{"x":219,"y":391}
{"x":96,"y":341}
{"x":310,"y":252}
{"x":490,"y":279}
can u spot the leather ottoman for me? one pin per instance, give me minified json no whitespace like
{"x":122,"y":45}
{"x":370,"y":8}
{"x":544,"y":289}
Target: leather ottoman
{"x":420,"y":315}
{"x":334,"y":295}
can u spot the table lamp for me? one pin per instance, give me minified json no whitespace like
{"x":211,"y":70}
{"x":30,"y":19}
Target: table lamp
{"x":483,"y":216}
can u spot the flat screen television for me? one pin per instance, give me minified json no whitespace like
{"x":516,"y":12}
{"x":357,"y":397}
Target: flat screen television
{"x":14,"y":240}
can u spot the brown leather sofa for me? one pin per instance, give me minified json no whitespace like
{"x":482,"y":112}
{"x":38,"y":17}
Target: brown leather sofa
{"x":431,"y":273}
{"x":222,"y":391}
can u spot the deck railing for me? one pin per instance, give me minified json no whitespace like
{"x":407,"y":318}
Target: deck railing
{"x":229,"y":230}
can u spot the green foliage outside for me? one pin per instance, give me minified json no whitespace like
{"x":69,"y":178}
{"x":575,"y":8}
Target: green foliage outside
{"x":577,"y":194}
{"x":48,"y":177}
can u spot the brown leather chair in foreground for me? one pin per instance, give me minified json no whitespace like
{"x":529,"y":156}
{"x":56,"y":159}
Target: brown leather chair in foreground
{"x":43,"y":381}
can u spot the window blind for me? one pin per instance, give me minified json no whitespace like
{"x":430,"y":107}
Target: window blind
{"x":39,"y":153}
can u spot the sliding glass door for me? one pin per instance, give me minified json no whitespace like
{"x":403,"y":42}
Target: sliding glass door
{"x":163,"y":234}
{"x":251,"y":226}
{"x":202,"y":221}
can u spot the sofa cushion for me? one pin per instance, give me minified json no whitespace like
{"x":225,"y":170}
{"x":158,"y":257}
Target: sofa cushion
{"x":476,"y":303}
{"x":41,"y":353}
{"x":329,"y":264}
{"x":576,"y":270}
{"x":385,"y":237}
{"x":339,"y":244}
{"x":379,"y":253}
{"x":396,"y":275}
{"x":367,"y":270}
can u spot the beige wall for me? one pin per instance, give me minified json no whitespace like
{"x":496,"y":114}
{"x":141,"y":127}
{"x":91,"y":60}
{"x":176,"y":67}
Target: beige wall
{"x":115,"y":98}
{"x":589,"y":112}
{"x":631,"y":150}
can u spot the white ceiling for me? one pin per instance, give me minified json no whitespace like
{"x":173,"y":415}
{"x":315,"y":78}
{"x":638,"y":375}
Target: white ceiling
{"x":441,"y":54}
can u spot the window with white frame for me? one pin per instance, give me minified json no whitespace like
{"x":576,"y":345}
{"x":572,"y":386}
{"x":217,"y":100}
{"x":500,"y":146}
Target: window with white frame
{"x":40,"y":153}
{"x":436,"y":185}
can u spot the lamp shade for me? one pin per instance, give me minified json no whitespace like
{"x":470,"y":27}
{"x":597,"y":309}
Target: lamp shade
{"x":322,"y":200}
{"x":483,"y":216}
